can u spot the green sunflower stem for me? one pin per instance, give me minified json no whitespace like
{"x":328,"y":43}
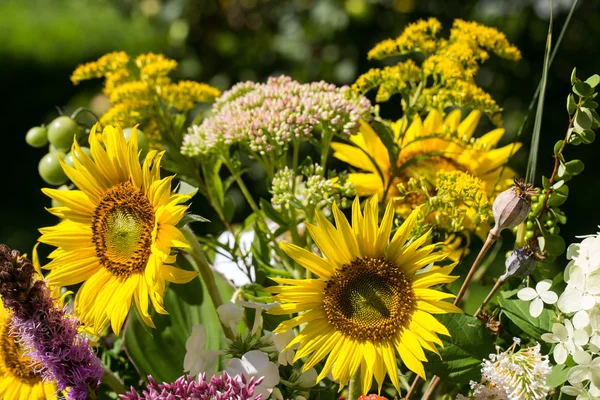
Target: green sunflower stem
{"x":206,"y":273}
{"x":354,"y":390}
{"x":111,"y":380}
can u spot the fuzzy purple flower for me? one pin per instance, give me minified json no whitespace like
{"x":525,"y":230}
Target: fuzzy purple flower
{"x":223,"y":387}
{"x":267,"y":117}
{"x":47,"y":332}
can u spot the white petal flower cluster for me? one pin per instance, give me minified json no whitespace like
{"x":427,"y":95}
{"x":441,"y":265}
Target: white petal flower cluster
{"x":579,"y":333}
{"x":513,"y":375}
{"x":538,"y":296}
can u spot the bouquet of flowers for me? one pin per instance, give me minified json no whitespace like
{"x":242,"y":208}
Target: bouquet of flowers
{"x":371,"y":267}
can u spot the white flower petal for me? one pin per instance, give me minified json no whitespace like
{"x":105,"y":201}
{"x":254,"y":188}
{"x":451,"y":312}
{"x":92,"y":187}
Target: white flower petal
{"x":582,"y":358}
{"x":527,"y":294}
{"x":587,"y":302}
{"x":536,"y":307}
{"x":543,"y":286}
{"x":581,"y":337}
{"x":578,"y":374}
{"x":570,"y":300}
{"x":255,"y":362}
{"x":560,"y":354}
{"x":573,"y":251}
{"x":308,"y":379}
{"x":581,"y":319}
{"x":560,"y":331}
{"x":235,"y":366}
{"x":592,"y":283}
{"x":550,"y":338}
{"x":549,"y":297}
{"x":577,"y":277}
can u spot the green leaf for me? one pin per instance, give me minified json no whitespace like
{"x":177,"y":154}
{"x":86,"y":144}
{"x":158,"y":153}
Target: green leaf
{"x":159,"y":352}
{"x":558,"y":196}
{"x":558,"y":376}
{"x":463,"y":351}
{"x":189,"y":218}
{"x":186,"y":188}
{"x":587,"y":136}
{"x":518,"y":312}
{"x":545,"y":183}
{"x":555,"y":245}
{"x":593,"y":80}
{"x":574,"y":167}
{"x":558,"y":146}
{"x":571,"y":105}
{"x":272,"y":213}
{"x":590,"y":104}
{"x":574,"y":76}
{"x":582,"y":89}
{"x":583,"y":118}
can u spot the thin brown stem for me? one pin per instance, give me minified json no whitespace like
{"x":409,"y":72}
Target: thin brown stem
{"x":413,"y":387}
{"x":486,"y":246}
{"x":491,"y":294}
{"x":434,"y":383}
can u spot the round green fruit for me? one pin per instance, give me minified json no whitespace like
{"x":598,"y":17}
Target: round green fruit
{"x":62,"y":131}
{"x":37,"y":136}
{"x":143,"y":143}
{"x":50,"y":170}
{"x":69,"y":157}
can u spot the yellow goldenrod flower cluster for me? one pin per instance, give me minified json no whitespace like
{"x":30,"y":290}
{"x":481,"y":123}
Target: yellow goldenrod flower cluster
{"x":390,"y":80}
{"x":418,"y":37}
{"x":142,"y":92}
{"x":456,"y":205}
{"x":446,"y":76}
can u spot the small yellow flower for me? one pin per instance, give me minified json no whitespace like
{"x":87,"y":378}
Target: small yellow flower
{"x":117,"y":231}
{"x":370,"y":300}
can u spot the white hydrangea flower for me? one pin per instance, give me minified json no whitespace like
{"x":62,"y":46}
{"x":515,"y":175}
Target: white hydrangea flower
{"x":230,"y":314}
{"x":255,"y":363}
{"x":538,"y":296}
{"x":197,"y":358}
{"x":281,"y":340}
{"x":594,"y":328}
{"x":258,"y":307}
{"x":581,"y":294}
{"x":307,"y":379}
{"x":562,"y":335}
{"x":586,"y":254}
{"x":587,"y":369}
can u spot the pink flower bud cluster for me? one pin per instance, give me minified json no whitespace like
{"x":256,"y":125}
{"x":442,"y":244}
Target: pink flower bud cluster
{"x":268,"y":116}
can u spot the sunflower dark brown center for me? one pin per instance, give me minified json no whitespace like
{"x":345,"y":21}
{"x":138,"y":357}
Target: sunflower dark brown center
{"x":122,"y":230}
{"x":12,"y":360}
{"x":370,"y":299}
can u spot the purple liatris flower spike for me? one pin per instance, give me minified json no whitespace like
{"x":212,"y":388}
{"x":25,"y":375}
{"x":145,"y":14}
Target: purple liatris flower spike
{"x":219,"y":387}
{"x":48,"y":332}
{"x":267,"y":117}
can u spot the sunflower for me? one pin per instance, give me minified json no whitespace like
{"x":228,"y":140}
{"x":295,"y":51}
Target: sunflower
{"x":426,"y":147}
{"x":117,"y":231}
{"x":370,"y":300}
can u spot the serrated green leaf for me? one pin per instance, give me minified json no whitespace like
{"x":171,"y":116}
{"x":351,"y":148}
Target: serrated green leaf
{"x":582,"y":89}
{"x":463,"y":351}
{"x":518,"y":312}
{"x":593,"y":80}
{"x":574,"y":167}
{"x":159,"y":352}
{"x":571,"y":105}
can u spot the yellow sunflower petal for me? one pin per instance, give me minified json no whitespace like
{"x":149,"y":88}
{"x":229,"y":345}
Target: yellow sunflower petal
{"x":308,"y":260}
{"x":467,"y":127}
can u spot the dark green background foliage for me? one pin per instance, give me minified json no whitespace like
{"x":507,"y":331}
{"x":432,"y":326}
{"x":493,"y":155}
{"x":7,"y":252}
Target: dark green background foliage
{"x":223,"y":42}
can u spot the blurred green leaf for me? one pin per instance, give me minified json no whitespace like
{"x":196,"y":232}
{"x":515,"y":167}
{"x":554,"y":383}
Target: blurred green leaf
{"x":558,"y":196}
{"x":558,"y":376}
{"x":571,"y":105}
{"x":555,"y":245}
{"x":159,"y":352}
{"x":593,"y":80}
{"x":574,"y":167}
{"x":583,"y":118}
{"x":574,"y":76}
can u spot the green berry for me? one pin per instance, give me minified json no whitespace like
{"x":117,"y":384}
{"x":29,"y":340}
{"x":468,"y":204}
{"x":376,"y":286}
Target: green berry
{"x":61,"y":132}
{"x":528,"y":234}
{"x":535,"y":199}
{"x":529,"y":225}
{"x":554,"y":231}
{"x":69,"y":157}
{"x":50,"y":170}
{"x":550,"y":223}
{"x":143,"y":144}
{"x":37,"y":136}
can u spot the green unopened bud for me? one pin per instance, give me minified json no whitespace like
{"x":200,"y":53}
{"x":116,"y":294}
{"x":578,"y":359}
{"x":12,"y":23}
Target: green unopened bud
{"x":512,"y":206}
{"x":50,"y":170}
{"x":37,"y":136}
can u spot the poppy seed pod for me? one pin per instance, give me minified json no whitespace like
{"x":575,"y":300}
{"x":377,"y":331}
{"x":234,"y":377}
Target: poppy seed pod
{"x":520,"y":263}
{"x":512,"y":206}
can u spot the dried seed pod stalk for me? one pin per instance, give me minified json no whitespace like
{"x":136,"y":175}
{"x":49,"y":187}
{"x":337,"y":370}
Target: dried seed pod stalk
{"x":512,"y":206}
